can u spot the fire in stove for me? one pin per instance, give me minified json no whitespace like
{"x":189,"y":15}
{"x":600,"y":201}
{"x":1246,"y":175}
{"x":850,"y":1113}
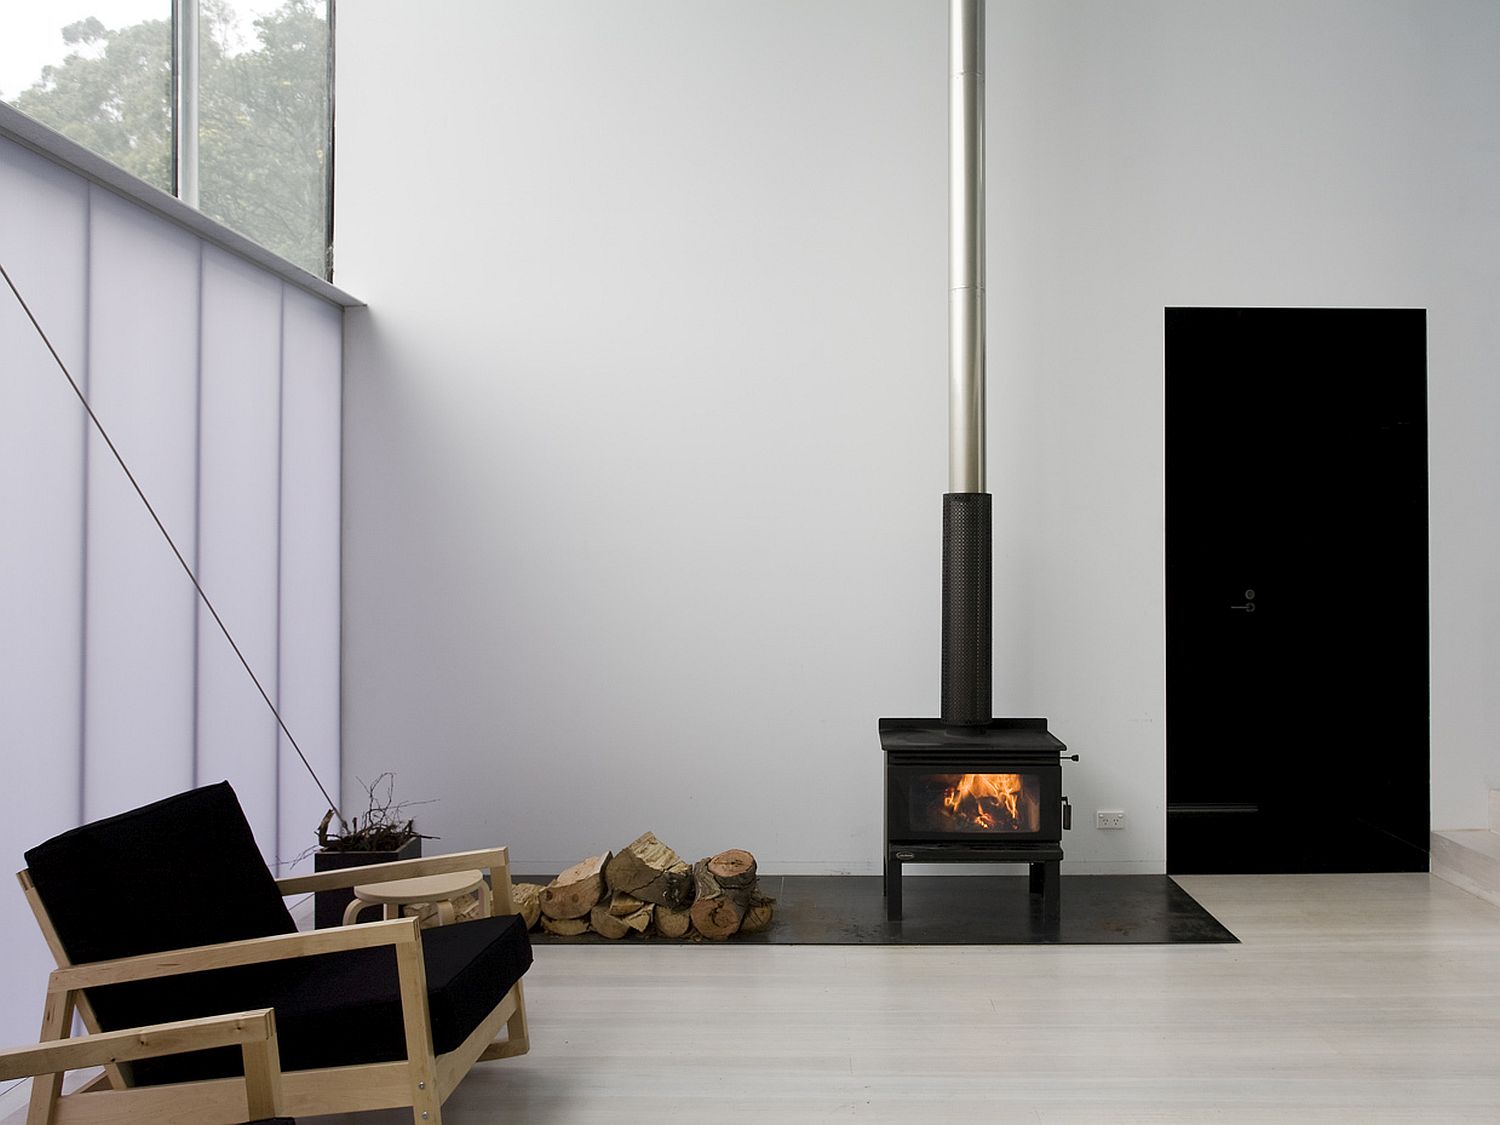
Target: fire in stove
{"x":987,"y":801}
{"x":976,"y":802}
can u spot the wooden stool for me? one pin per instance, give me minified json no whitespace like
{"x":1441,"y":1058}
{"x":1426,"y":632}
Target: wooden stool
{"x":396,"y":894}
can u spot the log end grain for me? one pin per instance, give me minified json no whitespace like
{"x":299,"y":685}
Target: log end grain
{"x":527,"y":898}
{"x":577,"y":890}
{"x":565,"y":927}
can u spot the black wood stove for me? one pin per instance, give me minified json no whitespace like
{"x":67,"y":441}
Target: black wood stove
{"x":974,"y":794}
{"x":968,"y":787}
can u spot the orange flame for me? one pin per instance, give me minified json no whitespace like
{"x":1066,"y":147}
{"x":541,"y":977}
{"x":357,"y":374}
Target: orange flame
{"x":999,"y":788}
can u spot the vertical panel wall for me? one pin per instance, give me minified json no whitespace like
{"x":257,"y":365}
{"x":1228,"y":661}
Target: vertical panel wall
{"x":311,"y":408}
{"x":239,"y":538}
{"x":115,"y":686}
{"x":43,"y":247}
{"x":143,"y":330}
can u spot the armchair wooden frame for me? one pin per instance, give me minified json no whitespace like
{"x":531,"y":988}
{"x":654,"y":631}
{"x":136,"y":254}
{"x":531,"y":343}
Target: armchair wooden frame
{"x":423,"y":1080}
{"x":253,"y":1032}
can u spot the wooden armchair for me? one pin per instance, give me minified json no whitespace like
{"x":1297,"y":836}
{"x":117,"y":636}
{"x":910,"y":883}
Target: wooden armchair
{"x":254,"y":1033}
{"x":167,"y":913}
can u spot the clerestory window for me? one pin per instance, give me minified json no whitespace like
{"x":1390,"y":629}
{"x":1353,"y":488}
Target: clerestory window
{"x":223,"y":103}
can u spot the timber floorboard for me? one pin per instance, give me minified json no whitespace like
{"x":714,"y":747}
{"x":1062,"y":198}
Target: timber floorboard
{"x":1350,"y":998}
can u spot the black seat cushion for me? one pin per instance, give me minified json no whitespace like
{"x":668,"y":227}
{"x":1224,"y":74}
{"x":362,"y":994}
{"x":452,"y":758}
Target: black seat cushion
{"x":185,"y":871}
{"x":347,"y":1009}
{"x":339,"y":1009}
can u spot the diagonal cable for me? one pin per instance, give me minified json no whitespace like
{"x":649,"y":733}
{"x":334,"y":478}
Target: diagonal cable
{"x":188,"y":570}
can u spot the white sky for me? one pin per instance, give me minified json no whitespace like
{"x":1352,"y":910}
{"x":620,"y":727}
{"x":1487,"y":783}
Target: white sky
{"x":31,"y":30}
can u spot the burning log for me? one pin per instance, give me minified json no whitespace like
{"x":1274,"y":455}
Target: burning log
{"x":577,"y":890}
{"x":650,"y":871}
{"x":718,"y":910}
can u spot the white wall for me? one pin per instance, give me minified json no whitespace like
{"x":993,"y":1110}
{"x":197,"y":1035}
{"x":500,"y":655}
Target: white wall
{"x":219,"y":383}
{"x":645,"y":423}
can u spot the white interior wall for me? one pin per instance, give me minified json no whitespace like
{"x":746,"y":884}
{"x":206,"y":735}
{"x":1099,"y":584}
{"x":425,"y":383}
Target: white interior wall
{"x":114,"y":689}
{"x":645,"y":422}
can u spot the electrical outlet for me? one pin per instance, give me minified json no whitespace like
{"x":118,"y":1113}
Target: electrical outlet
{"x":1109,"y":818}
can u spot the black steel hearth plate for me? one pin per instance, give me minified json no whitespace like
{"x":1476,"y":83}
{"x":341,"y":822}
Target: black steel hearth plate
{"x":966,"y":910}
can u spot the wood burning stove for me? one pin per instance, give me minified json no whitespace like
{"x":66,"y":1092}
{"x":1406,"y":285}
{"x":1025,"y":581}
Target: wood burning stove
{"x":968,"y":787}
{"x":974,"y":794}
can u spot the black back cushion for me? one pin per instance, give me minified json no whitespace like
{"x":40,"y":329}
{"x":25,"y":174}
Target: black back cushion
{"x":180,"y":872}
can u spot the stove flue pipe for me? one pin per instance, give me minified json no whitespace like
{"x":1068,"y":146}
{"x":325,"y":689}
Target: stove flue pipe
{"x":966,"y":248}
{"x":966,"y":505}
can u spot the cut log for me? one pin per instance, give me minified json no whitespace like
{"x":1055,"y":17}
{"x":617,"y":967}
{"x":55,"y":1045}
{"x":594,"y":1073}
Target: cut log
{"x":621,"y":904}
{"x":732,"y":869}
{"x":640,"y":920}
{"x":606,"y":924}
{"x":527,"y":899}
{"x":717,"y":911}
{"x":673,"y":921}
{"x":758,"y":916}
{"x":632,"y":911}
{"x":466,"y":907}
{"x":577,"y":890}
{"x":651,"y":871}
{"x":565,"y":927}
{"x":718,"y":917}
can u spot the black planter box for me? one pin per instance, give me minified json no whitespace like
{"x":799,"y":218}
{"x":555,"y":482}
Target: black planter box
{"x":329,"y":906}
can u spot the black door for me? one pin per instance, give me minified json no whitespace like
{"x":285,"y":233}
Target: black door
{"x":1296,"y":503}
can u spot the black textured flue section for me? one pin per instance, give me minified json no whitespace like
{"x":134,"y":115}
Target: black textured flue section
{"x":966,"y":608}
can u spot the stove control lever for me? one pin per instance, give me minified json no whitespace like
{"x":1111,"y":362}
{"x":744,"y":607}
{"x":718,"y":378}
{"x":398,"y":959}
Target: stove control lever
{"x":1067,"y":811}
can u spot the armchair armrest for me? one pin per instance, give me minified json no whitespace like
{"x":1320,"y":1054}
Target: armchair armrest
{"x":233,"y":1029}
{"x":254,"y":1032}
{"x":496,"y":859}
{"x":279,"y":947}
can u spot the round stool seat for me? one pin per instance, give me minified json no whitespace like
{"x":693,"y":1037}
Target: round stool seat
{"x":396,"y":894}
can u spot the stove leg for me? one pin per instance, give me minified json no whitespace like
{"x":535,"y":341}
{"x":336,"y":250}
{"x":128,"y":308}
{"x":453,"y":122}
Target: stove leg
{"x":1046,"y":880}
{"x":892,"y":888}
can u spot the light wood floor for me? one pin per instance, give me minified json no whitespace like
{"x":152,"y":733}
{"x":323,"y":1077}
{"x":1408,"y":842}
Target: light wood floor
{"x":1351,"y":998}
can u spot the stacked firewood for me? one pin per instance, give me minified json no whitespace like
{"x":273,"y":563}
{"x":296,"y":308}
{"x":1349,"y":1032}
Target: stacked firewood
{"x":646,"y":888}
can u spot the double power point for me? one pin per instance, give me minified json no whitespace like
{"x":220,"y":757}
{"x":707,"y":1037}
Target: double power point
{"x":1109,"y":818}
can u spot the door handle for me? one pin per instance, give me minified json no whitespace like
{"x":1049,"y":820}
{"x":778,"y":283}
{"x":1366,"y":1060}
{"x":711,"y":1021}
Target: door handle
{"x":1249,"y":606}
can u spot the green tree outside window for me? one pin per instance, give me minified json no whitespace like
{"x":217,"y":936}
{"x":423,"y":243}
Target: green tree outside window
{"x":263,"y":116}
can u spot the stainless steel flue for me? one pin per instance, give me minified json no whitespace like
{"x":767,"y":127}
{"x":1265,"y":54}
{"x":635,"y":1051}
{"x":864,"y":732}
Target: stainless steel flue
{"x":966,"y":505}
{"x":966,"y":248}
